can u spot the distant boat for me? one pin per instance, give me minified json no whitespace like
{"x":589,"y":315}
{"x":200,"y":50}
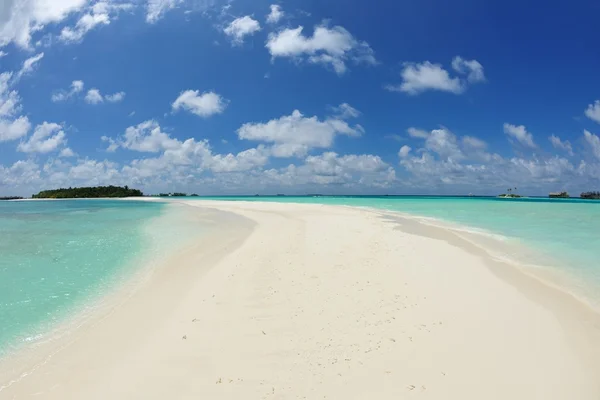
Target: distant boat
{"x":559,"y":195}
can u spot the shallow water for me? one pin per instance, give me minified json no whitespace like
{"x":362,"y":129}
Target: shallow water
{"x":56,"y":257}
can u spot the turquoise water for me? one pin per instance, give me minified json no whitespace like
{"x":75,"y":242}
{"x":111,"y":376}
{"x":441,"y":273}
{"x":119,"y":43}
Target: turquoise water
{"x":563,"y":234}
{"x":55,"y":255}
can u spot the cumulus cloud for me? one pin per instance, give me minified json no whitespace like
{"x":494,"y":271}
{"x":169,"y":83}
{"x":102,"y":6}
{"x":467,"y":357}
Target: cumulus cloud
{"x":67,"y":152}
{"x":46,"y":137}
{"x":146,"y":137}
{"x":593,"y":141}
{"x":421,"y":77}
{"x":62,"y":95}
{"x":21,"y":18}
{"x":332,"y":47}
{"x":12,"y":126}
{"x":593,"y":111}
{"x":275,"y":15}
{"x":99,"y":14}
{"x":472,"y":68}
{"x":93,"y":96}
{"x":404,"y":151}
{"x":462,"y":163}
{"x":3,"y":53}
{"x":295,"y":134}
{"x":241,"y":27}
{"x":115,"y":97}
{"x":333,"y":170}
{"x":203,"y":105}
{"x":520,"y":134}
{"x":87,"y":22}
{"x":13,"y":129}
{"x":561,"y":145}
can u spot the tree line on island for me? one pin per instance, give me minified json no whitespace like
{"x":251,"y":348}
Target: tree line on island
{"x":95,"y":192}
{"x":89,"y":192}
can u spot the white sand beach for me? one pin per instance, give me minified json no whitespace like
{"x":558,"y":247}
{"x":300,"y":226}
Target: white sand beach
{"x":292,"y":301}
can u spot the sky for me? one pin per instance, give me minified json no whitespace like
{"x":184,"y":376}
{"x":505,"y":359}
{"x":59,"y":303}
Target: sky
{"x":296,"y":97}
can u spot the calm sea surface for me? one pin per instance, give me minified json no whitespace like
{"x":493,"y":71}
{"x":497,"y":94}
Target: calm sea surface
{"x":57,"y":255}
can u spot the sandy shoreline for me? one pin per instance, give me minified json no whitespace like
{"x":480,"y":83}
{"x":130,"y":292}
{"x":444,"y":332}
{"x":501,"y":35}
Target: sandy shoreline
{"x":313,"y":301}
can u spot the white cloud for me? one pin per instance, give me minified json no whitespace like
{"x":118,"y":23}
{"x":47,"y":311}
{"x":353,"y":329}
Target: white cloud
{"x":204,"y":105}
{"x":93,"y":96}
{"x":243,"y":161}
{"x":85,"y":24}
{"x":11,"y":126}
{"x":593,"y":111}
{"x":275,"y":15}
{"x":330,"y":169}
{"x":346,"y":111}
{"x":404,"y":151}
{"x":29,"y":65}
{"x":520,"y":134}
{"x":15,"y":129}
{"x":474,"y":143}
{"x":417,"y":133}
{"x":21,"y":18}
{"x":115,"y":97}
{"x":9,"y":99}
{"x":472,"y":68}
{"x":562,"y":145}
{"x":420,"y":77}
{"x":329,"y":46}
{"x":67,"y":152}
{"x":147,"y":137}
{"x":46,"y":137}
{"x":593,"y":141}
{"x":99,"y":14}
{"x":20,"y":173}
{"x":298,"y":133}
{"x":241,"y":27}
{"x":155,"y":9}
{"x":3,"y":53}
{"x":76,"y":87}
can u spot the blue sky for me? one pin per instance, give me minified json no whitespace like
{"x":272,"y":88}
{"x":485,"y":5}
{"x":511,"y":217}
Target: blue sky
{"x":226,"y":97}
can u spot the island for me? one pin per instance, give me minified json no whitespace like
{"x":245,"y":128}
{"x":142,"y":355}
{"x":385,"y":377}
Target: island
{"x":559,"y":195}
{"x":590,"y":195}
{"x":89,"y":192}
{"x":11,"y":198}
{"x":176,"y":194}
{"x":509,"y":194}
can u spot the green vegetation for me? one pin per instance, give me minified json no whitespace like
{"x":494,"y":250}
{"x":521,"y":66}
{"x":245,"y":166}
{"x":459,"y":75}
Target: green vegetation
{"x":11,"y":198}
{"x":559,"y":195}
{"x":88,"y":192}
{"x":590,"y":195}
{"x":509,"y":194}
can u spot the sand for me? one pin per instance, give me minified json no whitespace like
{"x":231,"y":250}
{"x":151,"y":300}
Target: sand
{"x":292,"y":301}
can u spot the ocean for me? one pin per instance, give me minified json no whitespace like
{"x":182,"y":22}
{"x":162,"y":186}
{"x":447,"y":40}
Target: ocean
{"x":57,"y":258}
